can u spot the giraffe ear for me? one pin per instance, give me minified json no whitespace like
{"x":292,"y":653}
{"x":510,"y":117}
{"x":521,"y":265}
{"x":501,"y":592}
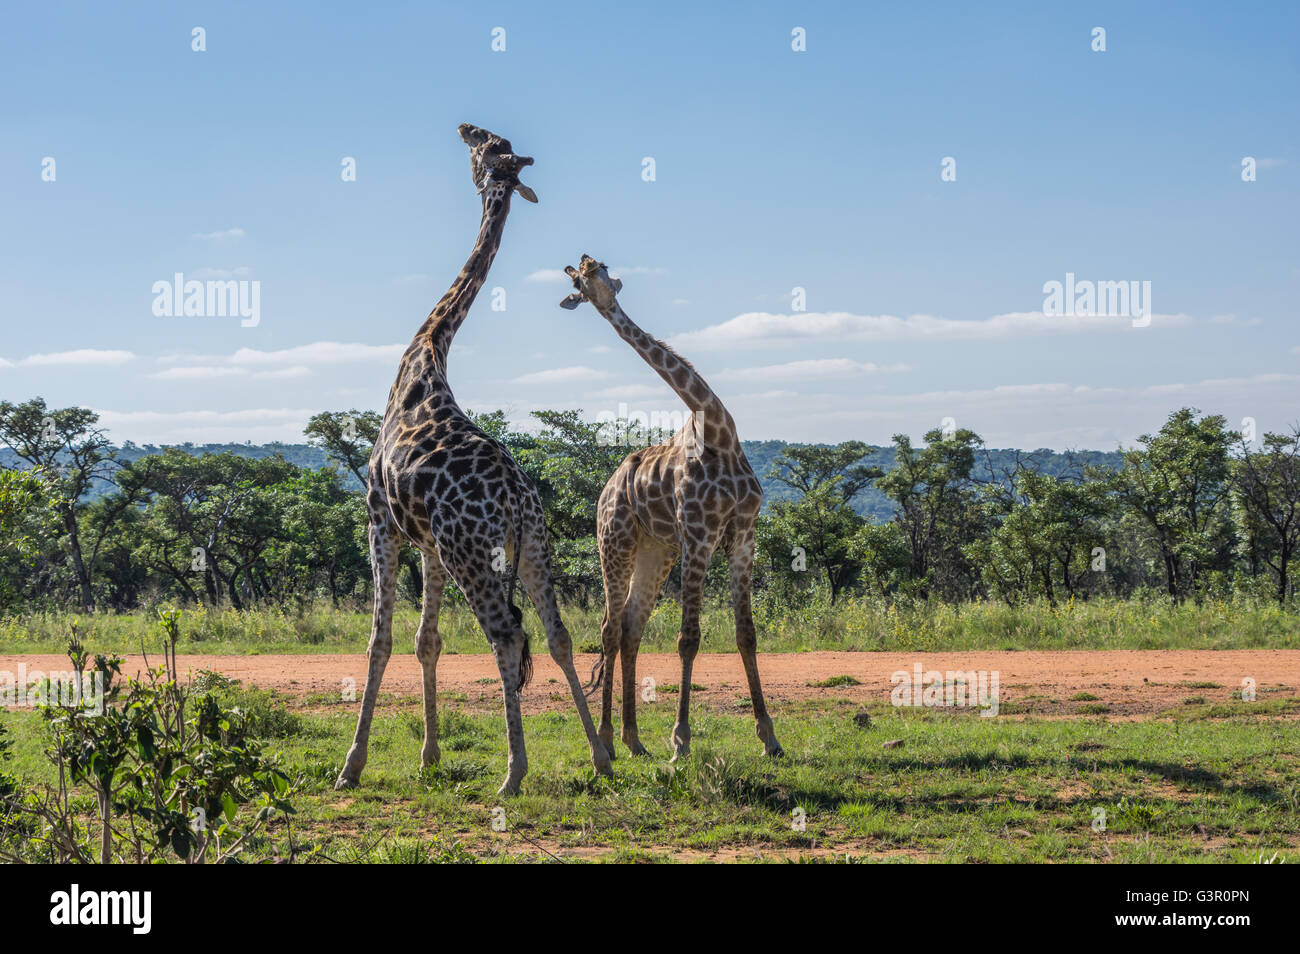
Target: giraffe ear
{"x":526,"y":192}
{"x":572,"y":302}
{"x":616,"y":284}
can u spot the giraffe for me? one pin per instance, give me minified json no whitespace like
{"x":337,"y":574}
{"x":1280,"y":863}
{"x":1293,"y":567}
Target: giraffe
{"x":438,"y":481}
{"x":689,"y":496}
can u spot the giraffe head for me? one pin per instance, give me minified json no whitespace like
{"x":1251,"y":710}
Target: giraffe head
{"x":592,"y":283}
{"x":492,"y":159}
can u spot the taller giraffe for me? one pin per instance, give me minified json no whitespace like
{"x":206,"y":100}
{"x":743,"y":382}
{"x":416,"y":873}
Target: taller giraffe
{"x":455,"y":493}
{"x":691,"y":495}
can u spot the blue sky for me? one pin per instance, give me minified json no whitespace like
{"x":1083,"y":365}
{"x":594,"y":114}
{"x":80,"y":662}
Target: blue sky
{"x":775,"y":169}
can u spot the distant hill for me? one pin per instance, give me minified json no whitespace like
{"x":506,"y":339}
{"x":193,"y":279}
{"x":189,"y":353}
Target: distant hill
{"x":762,"y":457}
{"x":990,"y":465}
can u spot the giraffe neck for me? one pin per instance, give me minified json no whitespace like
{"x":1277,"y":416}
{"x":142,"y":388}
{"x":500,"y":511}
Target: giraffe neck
{"x":679,"y":374}
{"x":434,"y":337}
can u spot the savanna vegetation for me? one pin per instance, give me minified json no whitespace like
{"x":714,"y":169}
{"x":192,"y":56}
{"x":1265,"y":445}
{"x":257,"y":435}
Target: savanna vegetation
{"x":1186,"y":540}
{"x":215,"y":771}
{"x":1190,"y":537}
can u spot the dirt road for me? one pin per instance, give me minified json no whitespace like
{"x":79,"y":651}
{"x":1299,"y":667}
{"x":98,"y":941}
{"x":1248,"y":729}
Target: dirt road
{"x":1132,"y":684}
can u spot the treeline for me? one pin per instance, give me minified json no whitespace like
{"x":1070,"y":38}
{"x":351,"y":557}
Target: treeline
{"x":1194,"y":511}
{"x":869,"y":501}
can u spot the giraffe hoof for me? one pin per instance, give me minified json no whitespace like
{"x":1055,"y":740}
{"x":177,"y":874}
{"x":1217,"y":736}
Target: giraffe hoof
{"x":508,"y":788}
{"x":601,"y":761}
{"x":637,"y":749}
{"x":773,"y":749}
{"x":345,"y":781}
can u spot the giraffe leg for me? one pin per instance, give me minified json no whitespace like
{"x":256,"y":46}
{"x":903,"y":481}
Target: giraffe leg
{"x":742,"y":560}
{"x":695,"y":565}
{"x":535,"y":575}
{"x":653,"y":564}
{"x":384,"y":548}
{"x":483,"y":590}
{"x":616,"y":569}
{"x":428,"y":644}
{"x":509,"y":656}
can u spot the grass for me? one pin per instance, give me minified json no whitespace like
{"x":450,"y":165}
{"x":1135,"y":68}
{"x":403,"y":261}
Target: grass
{"x":1204,"y":787}
{"x":832,"y":682}
{"x":854,"y":625}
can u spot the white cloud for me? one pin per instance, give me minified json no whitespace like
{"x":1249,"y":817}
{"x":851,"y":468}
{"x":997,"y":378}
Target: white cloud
{"x":619,"y":271}
{"x":235,"y":233}
{"x":631,"y":392}
{"x":765,"y":329}
{"x":295,"y":362}
{"x":1052,"y":414}
{"x":573,"y":375}
{"x":1234,"y":320}
{"x":296,"y":371}
{"x":813,"y":368}
{"x":258,"y":425}
{"x":764,"y":396}
{"x":319,"y":352}
{"x":79,"y":357}
{"x":206,"y":372}
{"x":198,"y":372}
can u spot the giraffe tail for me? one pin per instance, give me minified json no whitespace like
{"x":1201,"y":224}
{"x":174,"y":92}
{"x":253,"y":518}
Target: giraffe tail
{"x":525,"y":653}
{"x":597,"y":676}
{"x":525,"y":665}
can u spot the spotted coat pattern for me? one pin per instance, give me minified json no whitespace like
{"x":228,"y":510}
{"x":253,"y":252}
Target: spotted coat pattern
{"x":688,"y":497}
{"x":438,"y":481}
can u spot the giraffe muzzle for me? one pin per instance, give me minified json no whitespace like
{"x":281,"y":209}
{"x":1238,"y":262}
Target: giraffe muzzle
{"x":505,"y":168}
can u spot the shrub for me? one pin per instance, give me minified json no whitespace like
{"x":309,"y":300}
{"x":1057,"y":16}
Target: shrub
{"x":174,"y":772}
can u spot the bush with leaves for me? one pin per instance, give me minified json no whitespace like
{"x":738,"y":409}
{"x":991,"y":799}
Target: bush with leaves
{"x":175,"y":774}
{"x":15,"y":827}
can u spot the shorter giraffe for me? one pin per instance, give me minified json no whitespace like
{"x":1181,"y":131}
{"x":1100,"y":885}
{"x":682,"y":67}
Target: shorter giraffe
{"x":689,"y":496}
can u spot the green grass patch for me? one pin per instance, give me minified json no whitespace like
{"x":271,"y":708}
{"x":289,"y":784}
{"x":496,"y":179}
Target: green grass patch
{"x":835,"y":681}
{"x":959,"y":789}
{"x":854,"y":624}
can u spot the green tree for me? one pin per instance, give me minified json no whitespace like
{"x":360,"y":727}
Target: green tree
{"x":1267,"y":486}
{"x":70,"y":449}
{"x":25,"y":516}
{"x":1177,"y":483}
{"x":819,"y":527}
{"x":323,"y":526}
{"x":347,"y":437}
{"x":936,"y":510}
{"x":882,"y":551}
{"x":209,"y":520}
{"x":570,"y":460}
{"x":1044,"y":541}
